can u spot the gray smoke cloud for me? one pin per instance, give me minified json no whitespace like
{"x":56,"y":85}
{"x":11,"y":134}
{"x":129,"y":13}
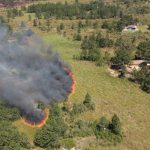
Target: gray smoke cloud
{"x":30,"y":72}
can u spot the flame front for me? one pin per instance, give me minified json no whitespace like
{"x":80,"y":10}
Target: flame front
{"x":43,"y":121}
{"x":40,"y":124}
{"x":71,"y":75}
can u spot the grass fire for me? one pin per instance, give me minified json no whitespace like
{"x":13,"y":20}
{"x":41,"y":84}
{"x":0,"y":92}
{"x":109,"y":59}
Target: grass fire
{"x":37,"y":124}
{"x":27,"y":120}
{"x":31,"y":72}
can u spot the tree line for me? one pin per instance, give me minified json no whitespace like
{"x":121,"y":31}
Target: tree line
{"x":92,"y":10}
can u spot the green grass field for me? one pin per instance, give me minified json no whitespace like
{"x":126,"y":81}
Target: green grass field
{"x":111,"y":95}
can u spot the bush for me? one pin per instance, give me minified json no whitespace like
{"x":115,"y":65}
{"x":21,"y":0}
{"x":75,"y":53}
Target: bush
{"x":108,"y":132}
{"x":88,"y":102}
{"x":78,"y":109}
{"x":143,"y":78}
{"x":8,"y":113}
{"x":144,"y":50}
{"x":55,"y":129}
{"x":68,"y":143}
{"x":10,"y":137}
{"x":83,"y":129}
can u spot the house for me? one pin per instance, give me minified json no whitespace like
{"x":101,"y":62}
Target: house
{"x":137,"y":65}
{"x":130,"y":28}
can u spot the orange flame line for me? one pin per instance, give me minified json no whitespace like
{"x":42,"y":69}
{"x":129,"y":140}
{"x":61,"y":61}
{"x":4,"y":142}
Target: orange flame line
{"x":43,"y":121}
{"x":71,"y":75}
{"x":40,"y":124}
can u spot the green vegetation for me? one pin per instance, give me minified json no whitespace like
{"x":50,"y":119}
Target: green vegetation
{"x":109,"y":130}
{"x":8,"y":113}
{"x":111,"y":95}
{"x":62,"y":128}
{"x":91,"y":10}
{"x":143,"y":78}
{"x":144,"y":50}
{"x":10,"y":138}
{"x":83,"y":33}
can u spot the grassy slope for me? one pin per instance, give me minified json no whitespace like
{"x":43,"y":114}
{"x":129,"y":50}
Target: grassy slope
{"x":110,"y":95}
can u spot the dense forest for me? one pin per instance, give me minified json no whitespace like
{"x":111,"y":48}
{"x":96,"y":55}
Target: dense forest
{"x":93,"y":10}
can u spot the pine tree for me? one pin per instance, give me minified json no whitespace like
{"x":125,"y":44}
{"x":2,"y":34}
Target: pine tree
{"x":87,"y":99}
{"x":62,"y":26}
{"x":116,"y":125}
{"x":29,"y":17}
{"x":88,"y":102}
{"x":34,"y":22}
{"x":103,"y":124}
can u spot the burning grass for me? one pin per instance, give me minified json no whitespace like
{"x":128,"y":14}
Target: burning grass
{"x":71,"y":75}
{"x":46,"y":111}
{"x":37,"y":125}
{"x":111,"y":95}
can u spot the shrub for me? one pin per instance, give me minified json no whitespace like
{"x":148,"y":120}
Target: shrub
{"x":68,"y":143}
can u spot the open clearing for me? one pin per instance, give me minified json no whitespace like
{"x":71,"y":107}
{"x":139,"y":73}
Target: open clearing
{"x":111,"y":95}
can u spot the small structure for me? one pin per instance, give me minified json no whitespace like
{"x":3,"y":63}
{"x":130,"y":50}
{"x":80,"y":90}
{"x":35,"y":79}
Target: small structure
{"x":136,"y":65}
{"x":130,"y":28}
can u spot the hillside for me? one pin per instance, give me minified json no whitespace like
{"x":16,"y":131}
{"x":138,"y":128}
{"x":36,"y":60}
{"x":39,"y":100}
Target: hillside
{"x":101,"y":105}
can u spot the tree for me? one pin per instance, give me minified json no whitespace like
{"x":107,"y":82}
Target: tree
{"x":103,"y":124}
{"x":115,"y":125}
{"x":55,"y":129}
{"x":143,"y":78}
{"x":109,"y":25}
{"x":55,"y":110}
{"x":88,"y":102}
{"x":87,"y":99}
{"x":77,"y":37}
{"x":62,"y":26}
{"x":2,"y":20}
{"x":20,"y":13}
{"x":10,"y":137}
{"x":125,"y":43}
{"x":48,"y":25}
{"x":9,"y":114}
{"x":144,"y":50}
{"x":95,"y":25}
{"x":121,"y":57}
{"x":35,"y":23}
{"x":103,"y":41}
{"x":76,"y":1}
{"x":124,"y":21}
{"x":29,"y":17}
{"x":80,"y":25}
{"x":122,"y":72}
{"x":145,"y":85}
{"x":93,"y":10}
{"x":46,"y":137}
{"x":22,"y":25}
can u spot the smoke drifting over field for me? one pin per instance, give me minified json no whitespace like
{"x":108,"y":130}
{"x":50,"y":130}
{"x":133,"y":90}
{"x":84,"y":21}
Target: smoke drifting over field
{"x":30,"y":73}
